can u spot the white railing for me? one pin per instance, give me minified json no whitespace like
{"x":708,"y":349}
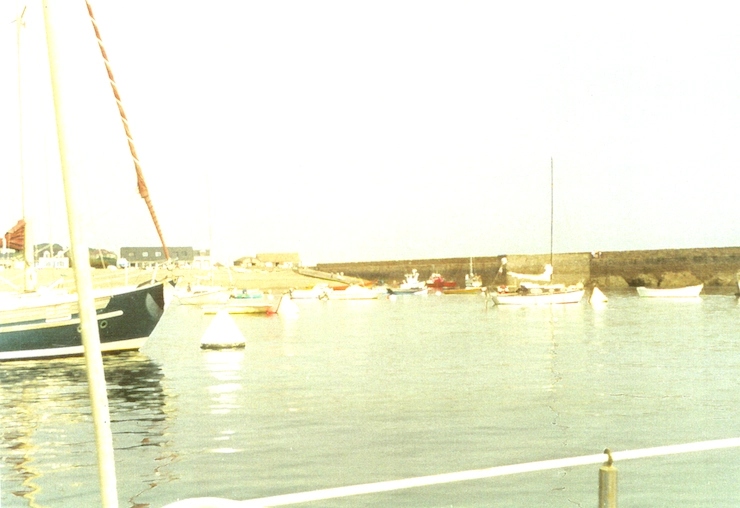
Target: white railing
{"x":607,"y":477}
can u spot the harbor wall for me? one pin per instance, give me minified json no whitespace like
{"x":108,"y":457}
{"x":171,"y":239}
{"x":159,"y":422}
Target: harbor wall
{"x":710,"y":266}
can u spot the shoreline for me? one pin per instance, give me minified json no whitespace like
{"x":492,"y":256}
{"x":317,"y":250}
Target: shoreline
{"x":276,"y":280}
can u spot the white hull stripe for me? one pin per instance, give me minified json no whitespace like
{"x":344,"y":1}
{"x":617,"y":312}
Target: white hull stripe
{"x":56,"y":322}
{"x":120,"y":345}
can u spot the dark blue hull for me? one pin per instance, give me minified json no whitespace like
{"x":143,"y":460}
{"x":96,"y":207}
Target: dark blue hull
{"x":125,"y":321}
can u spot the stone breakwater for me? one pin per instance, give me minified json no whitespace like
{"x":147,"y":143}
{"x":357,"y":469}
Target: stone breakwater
{"x":653,"y":268}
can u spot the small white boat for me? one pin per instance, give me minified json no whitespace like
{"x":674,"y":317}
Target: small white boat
{"x":318,"y":291}
{"x":536,"y":294}
{"x":201,"y":295}
{"x":354,"y":292}
{"x":684,"y":292}
{"x":411,"y":285}
{"x":243,"y":306}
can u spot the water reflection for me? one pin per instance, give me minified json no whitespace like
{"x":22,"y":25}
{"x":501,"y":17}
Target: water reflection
{"x":47,"y":426}
{"x":225,"y":366}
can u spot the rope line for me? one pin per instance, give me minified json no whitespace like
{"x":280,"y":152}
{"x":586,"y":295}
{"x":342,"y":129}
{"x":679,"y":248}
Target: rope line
{"x":141,"y":183}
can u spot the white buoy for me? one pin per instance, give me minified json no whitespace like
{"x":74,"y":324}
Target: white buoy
{"x":286,"y":306}
{"x":597,"y":296}
{"x":222,"y":333}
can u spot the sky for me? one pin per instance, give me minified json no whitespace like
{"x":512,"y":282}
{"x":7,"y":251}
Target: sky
{"x":362,"y":131}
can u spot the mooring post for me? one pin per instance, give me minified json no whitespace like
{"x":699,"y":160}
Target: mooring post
{"x":608,"y":483}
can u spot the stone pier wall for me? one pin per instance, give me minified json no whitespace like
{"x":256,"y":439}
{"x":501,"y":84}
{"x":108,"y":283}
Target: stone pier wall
{"x":711,"y":266}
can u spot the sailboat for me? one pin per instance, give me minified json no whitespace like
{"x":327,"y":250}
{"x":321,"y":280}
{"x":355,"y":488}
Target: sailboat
{"x":473,"y":284}
{"x":46,"y":324}
{"x":538,"y":289}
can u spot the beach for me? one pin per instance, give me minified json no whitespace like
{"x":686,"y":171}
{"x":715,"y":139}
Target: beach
{"x":275,"y":280}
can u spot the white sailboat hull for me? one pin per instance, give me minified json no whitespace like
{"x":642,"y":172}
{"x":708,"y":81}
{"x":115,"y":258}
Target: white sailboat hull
{"x":354,"y":293}
{"x":205,"y":296}
{"x":684,"y":292}
{"x":538,"y":299}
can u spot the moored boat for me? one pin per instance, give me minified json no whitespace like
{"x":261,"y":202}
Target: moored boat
{"x":201,"y":295}
{"x":250,"y":301}
{"x":464,"y":291}
{"x":316,"y":292}
{"x":473,"y":284}
{"x":242,"y":306}
{"x":354,"y":292}
{"x":682,"y":292}
{"x":49,"y":324}
{"x":436,"y":281}
{"x":538,"y":294}
{"x":51,"y":328}
{"x":411,"y":285}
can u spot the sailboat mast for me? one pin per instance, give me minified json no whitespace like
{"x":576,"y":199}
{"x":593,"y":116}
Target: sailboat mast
{"x":18,"y":24}
{"x":29,"y":270}
{"x":552,"y":207}
{"x":141,"y":183}
{"x":69,"y":146}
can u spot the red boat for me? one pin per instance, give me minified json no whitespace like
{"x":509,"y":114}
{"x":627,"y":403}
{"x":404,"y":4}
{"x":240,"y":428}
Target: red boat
{"x":438,"y":282}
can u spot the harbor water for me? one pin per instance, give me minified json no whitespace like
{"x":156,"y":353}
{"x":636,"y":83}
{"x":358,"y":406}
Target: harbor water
{"x":351,"y":392}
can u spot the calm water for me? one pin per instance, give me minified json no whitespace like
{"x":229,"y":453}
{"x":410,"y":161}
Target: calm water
{"x":361,"y":391}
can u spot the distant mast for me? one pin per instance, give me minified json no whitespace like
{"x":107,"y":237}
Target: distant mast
{"x":29,"y":268}
{"x":552,"y":207}
{"x":141,"y":183}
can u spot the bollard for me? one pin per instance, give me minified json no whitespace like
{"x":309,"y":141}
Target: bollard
{"x":608,"y":483}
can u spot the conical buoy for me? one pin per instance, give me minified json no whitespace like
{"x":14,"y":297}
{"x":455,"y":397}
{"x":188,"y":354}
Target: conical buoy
{"x":286,"y":306}
{"x":597,"y":296}
{"x":222,"y":333}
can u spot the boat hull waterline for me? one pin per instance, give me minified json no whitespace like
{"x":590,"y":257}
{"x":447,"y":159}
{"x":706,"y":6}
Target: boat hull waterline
{"x":124,"y":322}
{"x":408,"y":291}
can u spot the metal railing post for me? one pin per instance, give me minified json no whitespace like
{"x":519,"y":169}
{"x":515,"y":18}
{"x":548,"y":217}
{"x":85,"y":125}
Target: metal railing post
{"x":608,"y":483}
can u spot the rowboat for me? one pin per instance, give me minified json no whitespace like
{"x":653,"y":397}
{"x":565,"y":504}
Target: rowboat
{"x":682,"y":292}
{"x":201,"y":295}
{"x":244,"y":306}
